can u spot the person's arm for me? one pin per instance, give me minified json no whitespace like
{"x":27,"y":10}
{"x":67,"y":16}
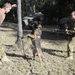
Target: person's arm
{"x":14,"y":5}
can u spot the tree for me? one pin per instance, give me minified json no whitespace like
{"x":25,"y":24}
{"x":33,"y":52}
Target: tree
{"x":20,"y":31}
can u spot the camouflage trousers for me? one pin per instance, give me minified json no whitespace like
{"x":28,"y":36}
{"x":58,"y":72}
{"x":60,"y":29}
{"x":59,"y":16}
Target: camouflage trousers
{"x":71,"y":46}
{"x":2,"y":53}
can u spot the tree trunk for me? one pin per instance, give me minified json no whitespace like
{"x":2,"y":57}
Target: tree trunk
{"x":34,"y":6}
{"x":29,"y":7}
{"x":20,"y":31}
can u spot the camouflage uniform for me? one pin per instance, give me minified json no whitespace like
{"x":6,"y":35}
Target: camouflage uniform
{"x":70,"y":47}
{"x":71,"y":43}
{"x":2,"y":53}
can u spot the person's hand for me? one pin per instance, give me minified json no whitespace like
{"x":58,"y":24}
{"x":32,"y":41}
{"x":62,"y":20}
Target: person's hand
{"x":14,"y":5}
{"x":68,"y":31}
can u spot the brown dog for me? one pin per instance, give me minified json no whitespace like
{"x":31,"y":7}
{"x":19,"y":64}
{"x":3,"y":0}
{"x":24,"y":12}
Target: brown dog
{"x":36,"y":38}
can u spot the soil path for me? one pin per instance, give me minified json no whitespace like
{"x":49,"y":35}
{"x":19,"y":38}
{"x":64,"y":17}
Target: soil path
{"x":54,"y":54}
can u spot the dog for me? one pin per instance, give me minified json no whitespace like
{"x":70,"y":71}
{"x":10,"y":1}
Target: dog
{"x":36,"y":39}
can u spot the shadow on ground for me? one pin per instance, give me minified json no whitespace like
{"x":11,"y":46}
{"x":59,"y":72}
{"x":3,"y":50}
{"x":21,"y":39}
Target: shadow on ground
{"x":57,"y":53}
{"x":54,"y":36}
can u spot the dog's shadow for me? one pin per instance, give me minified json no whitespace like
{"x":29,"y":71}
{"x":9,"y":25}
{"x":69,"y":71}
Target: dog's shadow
{"x":57,"y":53}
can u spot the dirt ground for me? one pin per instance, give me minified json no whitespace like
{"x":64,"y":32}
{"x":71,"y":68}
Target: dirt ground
{"x":54,"y":49}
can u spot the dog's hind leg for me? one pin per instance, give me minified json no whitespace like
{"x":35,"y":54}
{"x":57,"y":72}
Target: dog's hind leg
{"x":39,"y":51}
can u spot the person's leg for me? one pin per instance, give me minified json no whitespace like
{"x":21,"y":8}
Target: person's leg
{"x":3,"y":56}
{"x":2,"y":53}
{"x":70,"y":50}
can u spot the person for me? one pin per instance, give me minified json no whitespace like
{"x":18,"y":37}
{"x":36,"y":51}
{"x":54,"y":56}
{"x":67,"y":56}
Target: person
{"x":68,"y":25}
{"x":3,"y":11}
{"x":36,"y":38}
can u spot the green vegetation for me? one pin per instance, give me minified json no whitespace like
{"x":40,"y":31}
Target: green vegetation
{"x":53,"y":10}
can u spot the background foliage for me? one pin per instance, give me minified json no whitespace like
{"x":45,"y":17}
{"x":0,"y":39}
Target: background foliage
{"x":53,"y":10}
